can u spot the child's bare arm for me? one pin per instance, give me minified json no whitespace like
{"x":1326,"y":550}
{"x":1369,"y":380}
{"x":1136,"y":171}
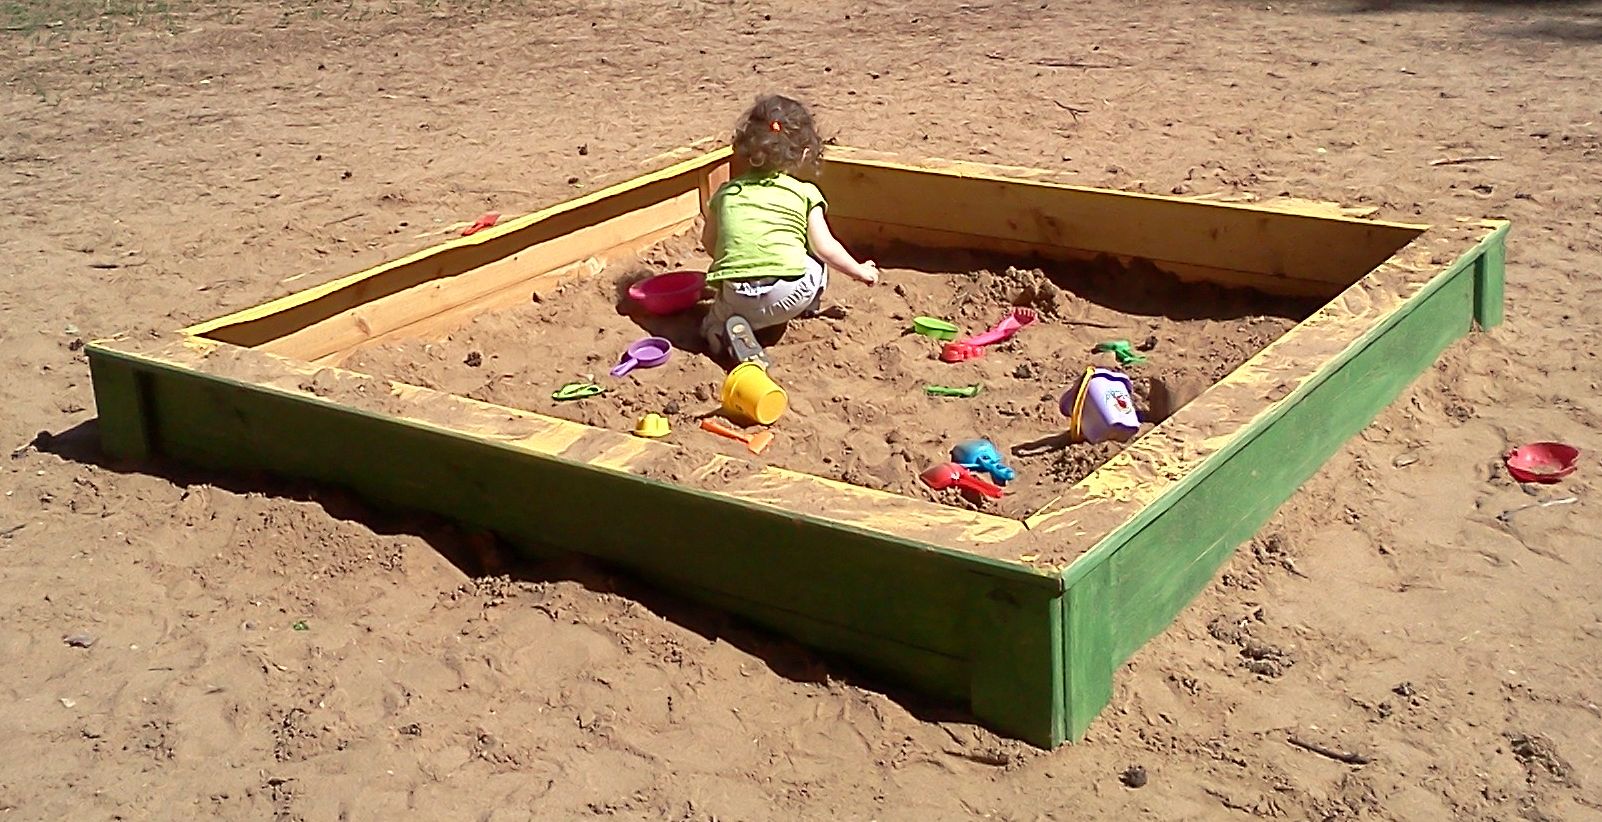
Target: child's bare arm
{"x":827,"y":248}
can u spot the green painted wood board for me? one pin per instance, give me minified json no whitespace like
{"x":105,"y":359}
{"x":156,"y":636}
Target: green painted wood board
{"x":926,"y":619}
{"x":1490,"y":282}
{"x":119,"y":403}
{"x":1133,"y":584}
{"x":1017,"y":686}
{"x":1087,"y":653}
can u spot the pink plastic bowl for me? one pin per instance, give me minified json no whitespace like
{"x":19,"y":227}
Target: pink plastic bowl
{"x":1542,"y":461}
{"x":669,"y":293}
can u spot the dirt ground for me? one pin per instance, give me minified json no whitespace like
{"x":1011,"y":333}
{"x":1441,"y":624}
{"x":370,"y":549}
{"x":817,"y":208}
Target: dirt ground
{"x":858,"y":411}
{"x":257,"y":649}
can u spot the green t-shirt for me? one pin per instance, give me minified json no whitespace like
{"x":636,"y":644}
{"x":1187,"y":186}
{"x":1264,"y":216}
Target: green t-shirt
{"x":762,"y":227}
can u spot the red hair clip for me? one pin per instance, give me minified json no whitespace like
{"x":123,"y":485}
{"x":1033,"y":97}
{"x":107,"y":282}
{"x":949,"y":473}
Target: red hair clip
{"x":775,"y":127}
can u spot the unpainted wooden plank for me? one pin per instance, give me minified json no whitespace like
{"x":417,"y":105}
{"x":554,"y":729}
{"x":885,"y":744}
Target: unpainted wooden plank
{"x":354,"y":326}
{"x":714,"y":179}
{"x":276,"y":318}
{"x":518,"y":293}
{"x":880,"y":238}
{"x":437,"y":326}
{"x":846,"y":154}
{"x":1209,"y":235}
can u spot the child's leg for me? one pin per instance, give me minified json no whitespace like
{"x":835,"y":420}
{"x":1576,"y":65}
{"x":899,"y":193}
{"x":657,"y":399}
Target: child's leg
{"x":788,"y":299}
{"x":728,"y":333}
{"x":767,"y":303}
{"x":716,"y":316}
{"x":815,"y":267}
{"x":763,"y":303}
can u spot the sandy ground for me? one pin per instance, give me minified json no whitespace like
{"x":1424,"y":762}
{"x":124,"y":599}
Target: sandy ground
{"x":855,"y":377}
{"x":260,"y":650}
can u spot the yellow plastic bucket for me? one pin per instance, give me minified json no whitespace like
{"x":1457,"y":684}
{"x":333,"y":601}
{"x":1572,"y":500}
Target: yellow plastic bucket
{"x":750,"y":393}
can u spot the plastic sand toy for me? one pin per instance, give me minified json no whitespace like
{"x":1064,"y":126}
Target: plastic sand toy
{"x":1122,"y":350}
{"x":949,"y":474}
{"x":647,"y":353}
{"x":935,"y":328}
{"x":1544,"y":462}
{"x":652,"y":426}
{"x":965,"y":392}
{"x":982,"y":455}
{"x":755,"y":443}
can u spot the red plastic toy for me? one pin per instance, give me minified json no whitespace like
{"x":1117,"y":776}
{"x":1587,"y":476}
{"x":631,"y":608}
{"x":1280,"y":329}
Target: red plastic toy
{"x":947,"y":474}
{"x":972,"y":348}
{"x":669,"y":293}
{"x":1542,"y":461}
{"x":490,"y":218}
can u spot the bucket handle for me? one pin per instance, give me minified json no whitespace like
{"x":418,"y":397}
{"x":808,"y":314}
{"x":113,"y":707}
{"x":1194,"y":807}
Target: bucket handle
{"x":1074,"y":431}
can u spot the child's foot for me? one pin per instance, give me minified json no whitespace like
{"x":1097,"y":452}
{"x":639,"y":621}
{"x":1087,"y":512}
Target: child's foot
{"x":743,"y":342}
{"x":712,"y":332}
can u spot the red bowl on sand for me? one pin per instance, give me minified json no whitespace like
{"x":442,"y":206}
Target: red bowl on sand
{"x":1542,"y":461}
{"x":669,"y":293}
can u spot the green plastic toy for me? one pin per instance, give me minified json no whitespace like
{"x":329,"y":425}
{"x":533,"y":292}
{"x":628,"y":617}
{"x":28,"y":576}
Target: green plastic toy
{"x":947,"y":391}
{"x":1122,"y":350}
{"x":576,"y":391}
{"x":935,"y":328}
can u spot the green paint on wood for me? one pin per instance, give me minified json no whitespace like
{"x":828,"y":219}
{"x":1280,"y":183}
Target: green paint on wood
{"x":1490,"y":280}
{"x":900,"y":608}
{"x":1087,"y":649}
{"x":120,"y":403}
{"x":938,"y":675}
{"x":1149,"y":571}
{"x":1017,"y":687}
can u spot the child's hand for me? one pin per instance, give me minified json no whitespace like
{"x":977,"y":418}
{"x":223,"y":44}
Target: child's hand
{"x":868,"y":272}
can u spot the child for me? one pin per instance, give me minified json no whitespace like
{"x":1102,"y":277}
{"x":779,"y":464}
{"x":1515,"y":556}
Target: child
{"x":771,"y":247}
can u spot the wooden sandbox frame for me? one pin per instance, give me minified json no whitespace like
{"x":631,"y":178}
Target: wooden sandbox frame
{"x":1024,"y":621}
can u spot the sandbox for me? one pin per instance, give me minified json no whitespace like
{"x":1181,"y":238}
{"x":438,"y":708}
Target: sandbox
{"x":859,"y":412}
{"x":1304,"y":319}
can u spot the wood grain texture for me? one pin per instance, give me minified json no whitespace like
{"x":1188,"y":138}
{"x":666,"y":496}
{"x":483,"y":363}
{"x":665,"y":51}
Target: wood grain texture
{"x":254,"y":326}
{"x":1164,"y":230}
{"x":451,"y":298}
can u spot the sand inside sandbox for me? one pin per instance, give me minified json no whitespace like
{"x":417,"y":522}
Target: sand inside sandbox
{"x":858,"y":412}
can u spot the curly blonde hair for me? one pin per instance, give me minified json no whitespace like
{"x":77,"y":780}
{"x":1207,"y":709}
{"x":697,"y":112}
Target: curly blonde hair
{"x":777,"y":135}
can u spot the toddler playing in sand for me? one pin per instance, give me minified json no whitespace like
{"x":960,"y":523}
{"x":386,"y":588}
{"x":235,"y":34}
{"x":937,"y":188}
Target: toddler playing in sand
{"x":771,"y":247}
